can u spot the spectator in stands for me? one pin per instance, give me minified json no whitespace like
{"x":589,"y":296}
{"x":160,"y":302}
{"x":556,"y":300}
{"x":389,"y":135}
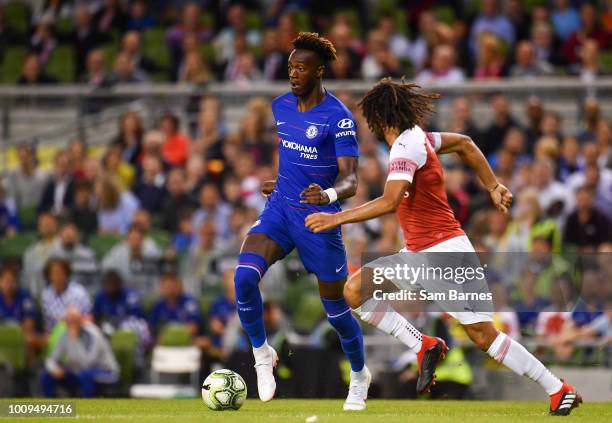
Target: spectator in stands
{"x":81,"y":359}
{"x":587,"y":227}
{"x":182,"y":236}
{"x":114,"y":304}
{"x":568,"y":160}
{"x":529,"y":304}
{"x":61,"y":293}
{"x":490,"y":60}
{"x":553,"y":318}
{"x":565,"y":19}
{"x":131,"y":44}
{"x":43,"y":42}
{"x":83,"y":212}
{"x":114,"y":165}
{"x":527,"y":63}
{"x":9,"y":221}
{"x":32,"y":74}
{"x":77,"y":156}
{"x":176,"y":144}
{"x":198,"y":267}
{"x":25,"y":184}
{"x":175,"y":306}
{"x":96,"y":75}
{"x":223,"y":309}
{"x":597,"y":180}
{"x":36,"y":255}
{"x":528,"y":222}
{"x":195,"y":176}
{"x":130,"y":136}
{"x":84,"y":38}
{"x":551,"y":193}
{"x":51,"y":11}
{"x":347,"y":48}
{"x":149,"y":189}
{"x":82,"y":259}
{"x":443,"y":68}
{"x":398,"y":42}
{"x":190,"y":22}
{"x":242,"y":69}
{"x":492,"y":21}
{"x":236,"y":24}
{"x":194,"y":70}
{"x":17,"y":307}
{"x":590,"y":66}
{"x":213,"y":208}
{"x":272,"y":63}
{"x":125,"y":72}
{"x":545,"y":46}
{"x":589,"y":30}
{"x":461,"y":120}
{"x":139,"y":19}
{"x":591,"y":116}
{"x":177,"y":201}
{"x":116,"y":207}
{"x":502,"y":122}
{"x":111,"y":17}
{"x":379,"y":61}
{"x":133,"y":259}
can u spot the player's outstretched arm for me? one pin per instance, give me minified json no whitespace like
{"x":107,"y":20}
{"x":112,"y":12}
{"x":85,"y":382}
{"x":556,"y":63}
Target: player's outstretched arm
{"x":345,"y":187}
{"x":387,"y":203}
{"x":473,"y":157}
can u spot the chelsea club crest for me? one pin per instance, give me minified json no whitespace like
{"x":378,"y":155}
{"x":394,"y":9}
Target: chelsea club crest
{"x":311,"y":132}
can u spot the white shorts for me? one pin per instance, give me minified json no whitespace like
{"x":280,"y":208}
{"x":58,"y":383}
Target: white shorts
{"x":458,"y":244}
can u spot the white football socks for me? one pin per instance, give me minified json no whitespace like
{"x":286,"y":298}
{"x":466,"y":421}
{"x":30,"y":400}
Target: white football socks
{"x":385,"y":318}
{"x":514,"y":356}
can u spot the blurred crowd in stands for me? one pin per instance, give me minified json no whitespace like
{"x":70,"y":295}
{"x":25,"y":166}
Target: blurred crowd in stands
{"x":145,"y":232}
{"x":102,"y":42}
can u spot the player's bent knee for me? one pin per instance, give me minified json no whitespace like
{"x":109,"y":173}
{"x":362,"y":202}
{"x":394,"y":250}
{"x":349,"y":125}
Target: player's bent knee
{"x":481,"y":335}
{"x":352,"y":291}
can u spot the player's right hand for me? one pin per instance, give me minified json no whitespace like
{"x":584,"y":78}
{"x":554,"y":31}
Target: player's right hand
{"x":267,"y":187}
{"x":502,"y":198}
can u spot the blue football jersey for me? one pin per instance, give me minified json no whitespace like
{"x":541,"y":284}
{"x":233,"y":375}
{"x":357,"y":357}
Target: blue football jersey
{"x":309,"y":143}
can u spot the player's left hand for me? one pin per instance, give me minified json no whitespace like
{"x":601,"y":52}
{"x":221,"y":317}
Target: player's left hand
{"x":502,"y":198}
{"x":319,"y":222}
{"x":314,"y":194}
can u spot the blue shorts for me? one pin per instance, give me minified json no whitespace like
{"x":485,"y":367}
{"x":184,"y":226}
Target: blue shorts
{"x":322,"y":254}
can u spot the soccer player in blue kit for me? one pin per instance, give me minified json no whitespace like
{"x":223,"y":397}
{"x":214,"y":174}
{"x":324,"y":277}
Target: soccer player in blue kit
{"x":317,"y":167}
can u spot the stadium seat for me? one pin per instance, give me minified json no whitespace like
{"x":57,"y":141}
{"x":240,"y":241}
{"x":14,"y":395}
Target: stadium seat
{"x":13,"y":248}
{"x":102,"y":243}
{"x":124,"y":344}
{"x":27,"y":218}
{"x":154,"y":46}
{"x":11,"y":66}
{"x":17,"y":16}
{"x":12,"y":346}
{"x":175,"y":336}
{"x":161,"y":237}
{"x":61,"y":64}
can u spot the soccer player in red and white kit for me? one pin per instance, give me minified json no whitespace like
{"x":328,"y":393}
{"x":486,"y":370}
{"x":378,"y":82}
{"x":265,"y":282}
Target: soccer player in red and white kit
{"x":414,"y":189}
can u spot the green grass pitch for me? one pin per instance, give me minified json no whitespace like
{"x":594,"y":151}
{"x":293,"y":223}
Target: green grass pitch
{"x":327,"y":411}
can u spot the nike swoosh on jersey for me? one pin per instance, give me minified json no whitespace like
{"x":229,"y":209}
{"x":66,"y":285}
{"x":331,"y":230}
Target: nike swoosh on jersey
{"x":278,"y":123}
{"x":339,"y":268}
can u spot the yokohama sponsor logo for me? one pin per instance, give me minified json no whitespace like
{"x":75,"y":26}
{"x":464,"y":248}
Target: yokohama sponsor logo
{"x":292,"y":145}
{"x":402,"y":165}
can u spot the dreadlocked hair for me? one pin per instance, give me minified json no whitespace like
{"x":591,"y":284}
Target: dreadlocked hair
{"x":313,"y":42}
{"x":400,"y":105}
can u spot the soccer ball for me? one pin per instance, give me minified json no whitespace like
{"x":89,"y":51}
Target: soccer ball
{"x":224,"y":390}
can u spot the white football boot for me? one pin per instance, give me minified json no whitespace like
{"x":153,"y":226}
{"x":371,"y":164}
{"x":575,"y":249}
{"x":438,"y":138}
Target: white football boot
{"x":358,"y":390}
{"x":265,"y":361}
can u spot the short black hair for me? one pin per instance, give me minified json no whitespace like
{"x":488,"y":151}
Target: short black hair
{"x":314,"y":42}
{"x":400,"y":105}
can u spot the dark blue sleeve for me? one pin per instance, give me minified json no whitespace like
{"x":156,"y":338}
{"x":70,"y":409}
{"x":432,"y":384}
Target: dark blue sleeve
{"x":193,"y":311}
{"x":344,"y":133}
{"x":28,"y":307}
{"x":155,"y":314}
